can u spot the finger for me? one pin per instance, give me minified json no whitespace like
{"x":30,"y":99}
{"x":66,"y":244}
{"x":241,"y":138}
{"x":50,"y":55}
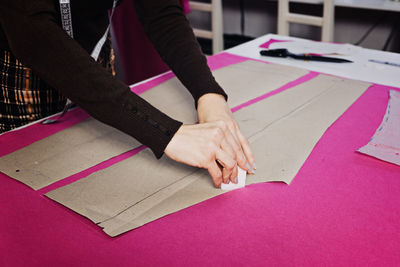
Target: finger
{"x":226,"y":175}
{"x":216,"y":173}
{"x":235,"y":174}
{"x":234,"y":141}
{"x":227,"y":147}
{"x":227,"y":162}
{"x":246,"y":149}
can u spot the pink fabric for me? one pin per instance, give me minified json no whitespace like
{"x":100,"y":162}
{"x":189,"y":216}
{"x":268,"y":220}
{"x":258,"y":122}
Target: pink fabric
{"x":141,"y":88}
{"x":267,"y":44}
{"x":214,"y":62}
{"x":342,"y":209}
{"x":14,"y":140}
{"x":271,"y":41}
{"x":186,"y":7}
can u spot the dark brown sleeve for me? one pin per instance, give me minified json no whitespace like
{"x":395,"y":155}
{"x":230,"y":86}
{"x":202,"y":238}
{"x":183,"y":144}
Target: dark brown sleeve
{"x":170,"y":32}
{"x":35,"y":38}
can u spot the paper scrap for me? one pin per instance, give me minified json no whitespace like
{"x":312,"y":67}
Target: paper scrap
{"x":241,"y":181}
{"x":282,"y":130}
{"x":385,"y":144}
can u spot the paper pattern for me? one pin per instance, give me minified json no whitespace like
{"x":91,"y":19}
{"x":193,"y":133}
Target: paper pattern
{"x":242,"y":81}
{"x":91,"y":142}
{"x":282,"y":130}
{"x":385,"y":144}
{"x":65,"y":153}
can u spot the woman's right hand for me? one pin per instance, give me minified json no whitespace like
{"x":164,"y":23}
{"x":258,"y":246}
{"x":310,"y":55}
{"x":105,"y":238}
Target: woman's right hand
{"x":208,"y":146}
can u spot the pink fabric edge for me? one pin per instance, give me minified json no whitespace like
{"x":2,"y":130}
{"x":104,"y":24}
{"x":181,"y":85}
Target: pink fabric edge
{"x":271,"y":41}
{"x":215,"y":62}
{"x":141,"y":88}
{"x":87,"y":172}
{"x":15,"y":140}
{"x":267,"y":44}
{"x":300,"y":80}
{"x":186,"y":6}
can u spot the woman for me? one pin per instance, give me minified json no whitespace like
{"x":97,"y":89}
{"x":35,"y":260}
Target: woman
{"x":43,"y":61}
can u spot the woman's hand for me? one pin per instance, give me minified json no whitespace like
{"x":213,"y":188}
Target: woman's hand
{"x":207,"y":146}
{"x":213,"y":107}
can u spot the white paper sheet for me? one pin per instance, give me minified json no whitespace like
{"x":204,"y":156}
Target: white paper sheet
{"x":361,"y":69}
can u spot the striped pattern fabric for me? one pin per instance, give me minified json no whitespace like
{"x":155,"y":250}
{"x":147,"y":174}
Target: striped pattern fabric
{"x":24,"y":97}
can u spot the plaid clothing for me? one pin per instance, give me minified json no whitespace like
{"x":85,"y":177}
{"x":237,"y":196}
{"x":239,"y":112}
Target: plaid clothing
{"x":24,"y":97}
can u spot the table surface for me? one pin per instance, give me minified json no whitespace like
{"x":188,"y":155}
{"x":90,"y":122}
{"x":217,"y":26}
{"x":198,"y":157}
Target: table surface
{"x":343,"y":208}
{"x":386,"y":5}
{"x":361,"y":68}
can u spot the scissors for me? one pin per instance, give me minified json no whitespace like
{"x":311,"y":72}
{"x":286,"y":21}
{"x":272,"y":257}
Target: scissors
{"x":285,"y":53}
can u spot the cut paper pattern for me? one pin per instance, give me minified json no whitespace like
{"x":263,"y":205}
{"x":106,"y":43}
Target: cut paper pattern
{"x":65,"y":153}
{"x":90,"y":142}
{"x":282,"y":129}
{"x":385,"y":144}
{"x":243,"y":82}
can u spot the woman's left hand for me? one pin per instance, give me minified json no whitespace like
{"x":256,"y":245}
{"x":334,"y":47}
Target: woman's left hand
{"x":213,"y":107}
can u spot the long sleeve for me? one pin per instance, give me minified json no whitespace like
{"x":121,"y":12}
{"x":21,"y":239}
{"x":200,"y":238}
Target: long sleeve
{"x":171,"y":34}
{"x":35,"y":37}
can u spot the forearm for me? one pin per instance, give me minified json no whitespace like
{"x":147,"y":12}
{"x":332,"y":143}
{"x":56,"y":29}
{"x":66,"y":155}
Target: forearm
{"x":170,"y":32}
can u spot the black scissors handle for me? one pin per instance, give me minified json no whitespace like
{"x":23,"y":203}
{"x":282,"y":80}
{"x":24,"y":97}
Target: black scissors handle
{"x":282,"y":52}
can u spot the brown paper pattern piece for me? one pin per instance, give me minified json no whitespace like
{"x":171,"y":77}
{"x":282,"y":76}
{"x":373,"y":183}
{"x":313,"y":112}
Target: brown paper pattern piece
{"x":282,"y":129}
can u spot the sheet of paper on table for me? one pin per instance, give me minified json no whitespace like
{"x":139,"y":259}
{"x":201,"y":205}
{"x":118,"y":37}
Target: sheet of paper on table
{"x":361,"y":69}
{"x":282,"y":130}
{"x":91,"y":142}
{"x":385,"y":144}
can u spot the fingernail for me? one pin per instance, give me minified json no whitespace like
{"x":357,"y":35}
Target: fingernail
{"x":227,"y":182}
{"x":254,"y":166}
{"x":236,"y":180}
{"x":250,"y":168}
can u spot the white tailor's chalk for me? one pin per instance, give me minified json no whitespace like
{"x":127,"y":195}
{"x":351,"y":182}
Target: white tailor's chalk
{"x":241,"y":181}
